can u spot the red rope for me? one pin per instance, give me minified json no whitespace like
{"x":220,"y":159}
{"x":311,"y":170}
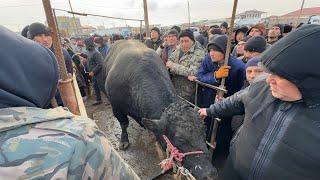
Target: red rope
{"x":175,"y":154}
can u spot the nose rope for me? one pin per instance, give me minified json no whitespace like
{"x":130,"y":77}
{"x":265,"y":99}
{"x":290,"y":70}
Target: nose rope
{"x":174,"y":156}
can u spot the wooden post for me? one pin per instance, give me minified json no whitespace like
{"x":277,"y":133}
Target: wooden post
{"x":74,"y":19}
{"x":65,"y":83}
{"x":141,"y":36}
{"x":81,"y":105}
{"x":189,"y":15}
{"x":220,"y":94}
{"x":56,"y":22}
{"x":146,"y":18}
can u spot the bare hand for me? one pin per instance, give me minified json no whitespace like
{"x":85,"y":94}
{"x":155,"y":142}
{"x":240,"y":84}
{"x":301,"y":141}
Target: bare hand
{"x":91,"y":74}
{"x":169,"y":64}
{"x":203,"y":113}
{"x":218,"y":99}
{"x":192,"y":78}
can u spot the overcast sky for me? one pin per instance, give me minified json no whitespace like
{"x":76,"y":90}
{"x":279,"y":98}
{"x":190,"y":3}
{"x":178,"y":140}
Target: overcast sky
{"x":15,"y":14}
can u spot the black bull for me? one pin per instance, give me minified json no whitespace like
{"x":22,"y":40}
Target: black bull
{"x":138,"y":85}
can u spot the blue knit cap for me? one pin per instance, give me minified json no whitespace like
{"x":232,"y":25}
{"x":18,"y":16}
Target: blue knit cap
{"x":253,"y":61}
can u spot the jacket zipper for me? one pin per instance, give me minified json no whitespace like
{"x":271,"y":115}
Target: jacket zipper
{"x":270,"y":140}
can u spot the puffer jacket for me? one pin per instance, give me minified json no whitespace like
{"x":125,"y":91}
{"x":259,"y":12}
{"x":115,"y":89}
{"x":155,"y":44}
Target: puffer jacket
{"x":279,"y":139}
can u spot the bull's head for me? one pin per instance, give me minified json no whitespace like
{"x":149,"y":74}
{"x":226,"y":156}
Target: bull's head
{"x":181,"y":124}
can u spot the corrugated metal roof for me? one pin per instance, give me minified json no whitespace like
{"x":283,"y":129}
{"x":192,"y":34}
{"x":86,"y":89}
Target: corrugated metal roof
{"x":305,"y":11}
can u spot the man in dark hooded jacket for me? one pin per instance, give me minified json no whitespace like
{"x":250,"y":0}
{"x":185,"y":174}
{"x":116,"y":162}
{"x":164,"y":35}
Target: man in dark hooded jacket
{"x":95,"y":60}
{"x":41,"y":143}
{"x":280,"y":136}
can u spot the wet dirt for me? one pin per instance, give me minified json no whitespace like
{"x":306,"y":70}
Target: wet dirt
{"x":142,"y":153}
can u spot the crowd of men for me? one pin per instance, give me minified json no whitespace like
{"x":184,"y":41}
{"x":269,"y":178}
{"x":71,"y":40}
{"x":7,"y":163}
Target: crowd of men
{"x":202,"y":58}
{"x":271,"y":88}
{"x":269,"y":94}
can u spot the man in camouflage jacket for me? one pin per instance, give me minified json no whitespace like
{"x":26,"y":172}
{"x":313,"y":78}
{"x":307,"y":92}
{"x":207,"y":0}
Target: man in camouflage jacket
{"x":41,"y":143}
{"x":184,"y":64}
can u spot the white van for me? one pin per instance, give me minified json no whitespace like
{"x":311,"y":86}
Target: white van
{"x":315,"y":19}
{"x":195,"y":30}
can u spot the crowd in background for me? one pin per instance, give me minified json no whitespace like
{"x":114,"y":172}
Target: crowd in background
{"x":187,"y":58}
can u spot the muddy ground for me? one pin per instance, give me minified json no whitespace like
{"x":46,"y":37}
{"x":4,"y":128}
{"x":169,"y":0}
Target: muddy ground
{"x":142,"y":153}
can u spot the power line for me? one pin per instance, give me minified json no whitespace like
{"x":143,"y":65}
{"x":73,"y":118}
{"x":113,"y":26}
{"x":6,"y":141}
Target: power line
{"x":108,"y":7}
{"x":96,"y":15}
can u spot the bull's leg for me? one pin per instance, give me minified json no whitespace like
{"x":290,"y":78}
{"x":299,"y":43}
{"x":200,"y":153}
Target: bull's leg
{"x":124,"y":122}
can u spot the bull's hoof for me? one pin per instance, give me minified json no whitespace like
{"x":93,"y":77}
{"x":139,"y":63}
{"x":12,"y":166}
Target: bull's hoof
{"x":124,"y":141}
{"x":123,"y":145}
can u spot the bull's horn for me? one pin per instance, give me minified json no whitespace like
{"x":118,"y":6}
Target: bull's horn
{"x":153,"y":124}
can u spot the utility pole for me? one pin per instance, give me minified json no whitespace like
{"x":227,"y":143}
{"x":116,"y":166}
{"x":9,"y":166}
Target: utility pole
{"x":74,"y":19}
{"x":189,"y":14}
{"x":55,"y":19}
{"x":65,"y":83}
{"x":146,"y":18}
{"x":302,"y":4}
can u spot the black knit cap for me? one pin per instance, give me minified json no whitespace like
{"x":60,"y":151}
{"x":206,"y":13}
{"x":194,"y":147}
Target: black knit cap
{"x":24,"y":31}
{"x":287,"y":28}
{"x":214,"y":31}
{"x":187,"y":33}
{"x":280,"y":26}
{"x":219,"y":43}
{"x":173,"y":32}
{"x":156,"y":29}
{"x":243,"y":29}
{"x":176,"y":28}
{"x":38,"y":29}
{"x":255,"y":44}
{"x":224,"y":24}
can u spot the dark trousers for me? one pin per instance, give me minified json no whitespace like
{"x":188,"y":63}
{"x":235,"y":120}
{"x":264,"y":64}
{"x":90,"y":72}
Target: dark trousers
{"x":98,"y":87}
{"x":83,"y":91}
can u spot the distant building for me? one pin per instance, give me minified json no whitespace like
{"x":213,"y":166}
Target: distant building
{"x":86,"y":29}
{"x":294,"y":17}
{"x":101,"y":27}
{"x":124,"y":31}
{"x":68,"y":26}
{"x":249,"y":17}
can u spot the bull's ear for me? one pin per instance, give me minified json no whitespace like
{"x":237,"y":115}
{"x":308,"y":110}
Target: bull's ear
{"x":153,"y":124}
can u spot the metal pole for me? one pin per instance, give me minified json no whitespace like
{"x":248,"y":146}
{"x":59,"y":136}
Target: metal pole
{"x":141,"y":36}
{"x":196,"y":96}
{"x":65,"y":83}
{"x":220,"y":93}
{"x":74,"y":20}
{"x":189,"y":15}
{"x":146,"y":18}
{"x":302,"y":4}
